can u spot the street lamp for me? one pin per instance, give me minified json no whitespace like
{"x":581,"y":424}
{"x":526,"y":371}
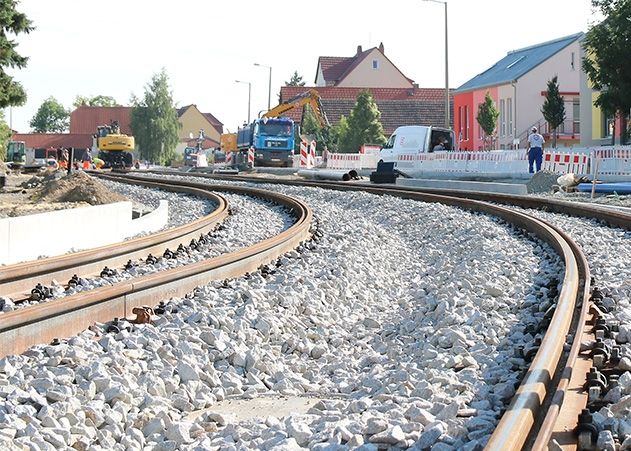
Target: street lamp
{"x":249,"y":95}
{"x":269,"y":89}
{"x":446,"y":64}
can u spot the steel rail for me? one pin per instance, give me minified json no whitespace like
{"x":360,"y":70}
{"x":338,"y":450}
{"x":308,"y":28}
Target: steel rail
{"x":535,"y":408}
{"x":43,"y":322}
{"x":615,"y":218}
{"x":20,"y":278}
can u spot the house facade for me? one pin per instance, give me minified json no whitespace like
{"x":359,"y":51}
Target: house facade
{"x":517,"y":84}
{"x":339,"y":80}
{"x":193,"y":121}
{"x":366,"y":69}
{"x":598,"y":128}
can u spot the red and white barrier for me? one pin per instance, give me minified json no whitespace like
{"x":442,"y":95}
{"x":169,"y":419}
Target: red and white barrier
{"x":613,"y":163}
{"x":304,"y":154}
{"x":229,"y":158}
{"x":566,"y":162}
{"x":251,"y":156}
{"x":312,"y":153}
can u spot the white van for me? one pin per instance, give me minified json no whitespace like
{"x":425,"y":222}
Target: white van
{"x":414,"y":139}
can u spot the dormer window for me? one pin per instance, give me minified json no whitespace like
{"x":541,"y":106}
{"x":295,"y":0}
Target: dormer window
{"x":375,"y":64}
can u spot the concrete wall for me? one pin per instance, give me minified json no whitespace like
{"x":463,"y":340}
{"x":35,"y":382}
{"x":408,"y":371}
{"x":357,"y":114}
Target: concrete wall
{"x":23,"y":238}
{"x":386,"y":75}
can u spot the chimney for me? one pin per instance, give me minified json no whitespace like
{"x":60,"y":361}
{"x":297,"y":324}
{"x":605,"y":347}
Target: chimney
{"x":381,"y":47}
{"x":359,"y":49}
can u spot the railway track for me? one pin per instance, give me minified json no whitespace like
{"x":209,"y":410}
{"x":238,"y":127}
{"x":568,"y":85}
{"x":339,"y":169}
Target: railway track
{"x":44,"y":322}
{"x":555,"y":391}
{"x":536,"y":412}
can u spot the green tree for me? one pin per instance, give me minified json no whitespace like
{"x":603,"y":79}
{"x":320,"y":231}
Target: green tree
{"x":338,"y":131}
{"x":487,"y":118}
{"x":364,"y":125}
{"x":295,"y":80}
{"x":553,"y":108}
{"x":99,"y":100}
{"x":154,"y":121}
{"x":51,"y":117}
{"x":5,"y":136}
{"x":312,"y":128}
{"x":607,"y":53}
{"x":12,"y":23}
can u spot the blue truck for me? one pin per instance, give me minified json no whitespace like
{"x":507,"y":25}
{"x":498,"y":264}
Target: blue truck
{"x":272,"y":138}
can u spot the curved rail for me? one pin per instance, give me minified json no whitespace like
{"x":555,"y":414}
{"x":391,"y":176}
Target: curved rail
{"x":616,"y":218}
{"x":42,"y":323}
{"x":536,"y":407}
{"x":21,"y":277}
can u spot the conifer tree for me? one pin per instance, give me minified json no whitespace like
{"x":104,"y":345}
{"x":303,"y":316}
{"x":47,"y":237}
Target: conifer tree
{"x":154,"y":121}
{"x":553,"y":108}
{"x":364,"y":125}
{"x":12,"y":23}
{"x":487,"y":118}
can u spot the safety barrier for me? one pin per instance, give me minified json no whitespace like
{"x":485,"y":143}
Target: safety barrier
{"x":614,"y":162}
{"x":351,"y":161}
{"x":251,"y":156}
{"x":566,"y":162}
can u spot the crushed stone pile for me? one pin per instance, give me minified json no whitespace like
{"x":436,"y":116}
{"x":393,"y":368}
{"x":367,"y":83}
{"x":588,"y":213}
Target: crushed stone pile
{"x":542,"y":182}
{"x":76,"y":187}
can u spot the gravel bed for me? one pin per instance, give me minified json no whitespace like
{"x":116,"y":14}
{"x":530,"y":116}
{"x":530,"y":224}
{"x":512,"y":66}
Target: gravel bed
{"x":608,"y":252}
{"x":401,"y":323}
{"x":238,"y":231}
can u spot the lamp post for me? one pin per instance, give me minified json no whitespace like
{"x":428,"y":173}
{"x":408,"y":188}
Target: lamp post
{"x":269,"y":89}
{"x":249,"y":95}
{"x":446,"y":64}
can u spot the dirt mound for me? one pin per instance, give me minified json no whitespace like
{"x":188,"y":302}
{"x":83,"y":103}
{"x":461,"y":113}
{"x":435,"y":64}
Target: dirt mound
{"x":542,"y":182}
{"x":76,"y":187}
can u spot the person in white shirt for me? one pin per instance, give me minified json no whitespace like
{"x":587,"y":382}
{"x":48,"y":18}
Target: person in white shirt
{"x":535,"y":150}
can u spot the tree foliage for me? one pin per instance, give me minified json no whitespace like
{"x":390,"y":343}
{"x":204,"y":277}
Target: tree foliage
{"x":99,"y":100}
{"x":154,"y":121}
{"x":51,"y":117}
{"x":312,"y":128}
{"x":553,"y":107}
{"x":487,"y":116}
{"x":5,"y":136}
{"x":607,"y":56}
{"x":12,"y":23}
{"x":295,"y":80}
{"x":364,"y":125}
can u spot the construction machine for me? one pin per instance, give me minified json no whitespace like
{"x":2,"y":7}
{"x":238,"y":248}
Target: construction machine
{"x":311,"y":98}
{"x":115,"y":148}
{"x":16,"y":154}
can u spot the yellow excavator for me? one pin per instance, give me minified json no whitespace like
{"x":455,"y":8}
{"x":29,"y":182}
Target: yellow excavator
{"x":311,"y":98}
{"x":115,"y":148}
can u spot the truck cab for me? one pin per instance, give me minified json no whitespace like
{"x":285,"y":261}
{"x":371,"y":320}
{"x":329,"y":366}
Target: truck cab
{"x":415,"y":139}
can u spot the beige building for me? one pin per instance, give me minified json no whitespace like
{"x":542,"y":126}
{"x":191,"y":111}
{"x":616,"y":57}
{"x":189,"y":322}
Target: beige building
{"x":366,"y":69}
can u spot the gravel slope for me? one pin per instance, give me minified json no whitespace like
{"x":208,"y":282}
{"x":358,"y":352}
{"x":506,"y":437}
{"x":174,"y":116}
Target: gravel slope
{"x":403,"y":319}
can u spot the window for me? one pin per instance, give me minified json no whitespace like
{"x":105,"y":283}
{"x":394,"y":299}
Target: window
{"x":466,"y":123}
{"x":479,"y":126}
{"x":502,"y":118}
{"x":459,"y":121}
{"x":509,"y":114}
{"x":572,"y":61}
{"x":576,"y":112}
{"x":375,"y":64}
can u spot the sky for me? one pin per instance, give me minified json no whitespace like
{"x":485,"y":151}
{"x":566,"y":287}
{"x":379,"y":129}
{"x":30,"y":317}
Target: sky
{"x":90,"y":47}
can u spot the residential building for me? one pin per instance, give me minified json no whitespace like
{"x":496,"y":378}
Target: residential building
{"x":366,"y":69}
{"x":518,"y":83}
{"x":598,"y":128}
{"x":398,"y":106}
{"x":193,"y":121}
{"x":339,"y":80}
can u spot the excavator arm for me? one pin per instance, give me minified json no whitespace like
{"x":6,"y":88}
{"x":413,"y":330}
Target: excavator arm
{"x":311,"y":98}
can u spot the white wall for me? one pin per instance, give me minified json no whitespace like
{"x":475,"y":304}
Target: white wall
{"x":24,"y":238}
